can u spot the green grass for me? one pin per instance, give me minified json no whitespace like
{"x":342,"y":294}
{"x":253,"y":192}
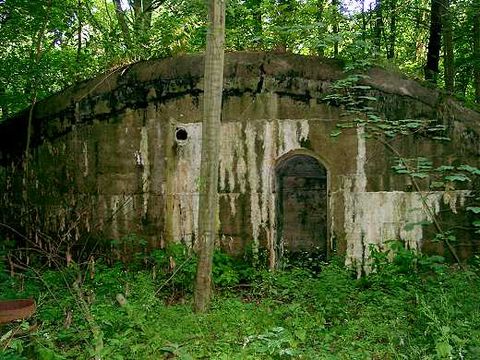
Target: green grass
{"x":414,"y":309}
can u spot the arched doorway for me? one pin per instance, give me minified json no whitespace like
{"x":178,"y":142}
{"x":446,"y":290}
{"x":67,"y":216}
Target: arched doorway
{"x":301,"y":205}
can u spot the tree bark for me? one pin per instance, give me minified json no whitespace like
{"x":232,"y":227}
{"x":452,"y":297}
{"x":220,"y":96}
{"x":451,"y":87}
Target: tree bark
{"x":463,"y":79}
{"x":34,"y":85}
{"x":122,"y":21}
{"x":435,"y":40}
{"x":448,"y":56}
{"x":143,"y":17}
{"x":79,"y":30}
{"x":336,"y":25}
{"x":364,"y":22}
{"x":418,"y":44}
{"x":207,"y":216}
{"x":392,"y":38}
{"x":476,"y":52}
{"x":379,"y":26}
{"x":321,"y":27}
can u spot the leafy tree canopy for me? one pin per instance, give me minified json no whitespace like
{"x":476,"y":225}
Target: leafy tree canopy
{"x":47,"y":45}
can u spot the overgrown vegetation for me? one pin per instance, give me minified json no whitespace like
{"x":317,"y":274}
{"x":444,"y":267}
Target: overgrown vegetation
{"x":358,"y":102}
{"x":411,"y":307}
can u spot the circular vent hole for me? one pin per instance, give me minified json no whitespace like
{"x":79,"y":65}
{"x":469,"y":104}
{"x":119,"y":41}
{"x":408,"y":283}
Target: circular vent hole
{"x":181,"y":134}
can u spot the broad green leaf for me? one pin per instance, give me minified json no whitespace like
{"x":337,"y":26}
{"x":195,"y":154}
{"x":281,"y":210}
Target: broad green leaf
{"x":445,"y":168}
{"x":335,"y":133}
{"x":370,"y":98}
{"x":457,"y":177}
{"x":437,"y":184}
{"x":444,"y":350}
{"x":470,"y":169}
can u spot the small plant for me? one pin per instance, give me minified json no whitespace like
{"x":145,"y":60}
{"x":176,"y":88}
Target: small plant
{"x":447,"y":343}
{"x":275,"y":343}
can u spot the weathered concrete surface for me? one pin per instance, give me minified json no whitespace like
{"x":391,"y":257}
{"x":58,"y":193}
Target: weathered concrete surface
{"x":106,"y":161}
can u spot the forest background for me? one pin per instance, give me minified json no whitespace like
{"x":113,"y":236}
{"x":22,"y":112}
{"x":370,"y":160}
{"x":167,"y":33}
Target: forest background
{"x":48,"y":45}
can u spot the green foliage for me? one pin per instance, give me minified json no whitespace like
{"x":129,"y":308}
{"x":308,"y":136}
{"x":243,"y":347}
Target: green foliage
{"x":354,"y":97}
{"x":398,"y":260}
{"x":275,"y":343}
{"x":49,"y":45}
{"x":410,"y":306}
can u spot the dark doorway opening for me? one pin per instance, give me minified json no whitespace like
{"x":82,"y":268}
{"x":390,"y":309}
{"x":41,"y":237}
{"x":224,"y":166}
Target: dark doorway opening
{"x":302,"y":193}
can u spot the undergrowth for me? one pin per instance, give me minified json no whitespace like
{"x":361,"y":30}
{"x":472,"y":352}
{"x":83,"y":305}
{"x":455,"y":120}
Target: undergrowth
{"x":409,"y":307}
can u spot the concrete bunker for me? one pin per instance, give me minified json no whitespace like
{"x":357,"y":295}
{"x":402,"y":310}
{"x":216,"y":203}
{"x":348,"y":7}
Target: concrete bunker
{"x":301,"y":205}
{"x":120,"y":155}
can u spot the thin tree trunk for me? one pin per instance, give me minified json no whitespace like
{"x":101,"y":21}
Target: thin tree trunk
{"x":448,"y":57}
{"x":207,"y":216}
{"x":336,"y":25}
{"x":434,"y":43}
{"x":476,"y":52}
{"x":379,"y":27}
{"x":79,"y":30}
{"x":417,"y":44}
{"x":147,"y":15}
{"x":364,"y":22}
{"x":36,"y":59}
{"x":143,"y":17}
{"x":393,"y":30}
{"x":462,"y":80}
{"x":122,"y":21}
{"x":321,"y":27}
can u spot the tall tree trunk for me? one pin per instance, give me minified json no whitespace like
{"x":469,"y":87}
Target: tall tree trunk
{"x":122,"y":21}
{"x":435,"y":40}
{"x":463,"y":79}
{"x":364,"y":22}
{"x":207,"y":216}
{"x":379,"y":26}
{"x":336,"y":25}
{"x":79,"y":33}
{"x":36,"y":57}
{"x":448,"y":57}
{"x":142,"y":17}
{"x":418,"y":45}
{"x":392,"y":39}
{"x":476,"y":52}
{"x":320,"y":27}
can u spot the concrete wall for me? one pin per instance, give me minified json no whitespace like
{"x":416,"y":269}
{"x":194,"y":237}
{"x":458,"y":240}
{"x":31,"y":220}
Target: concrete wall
{"x":106,"y":160}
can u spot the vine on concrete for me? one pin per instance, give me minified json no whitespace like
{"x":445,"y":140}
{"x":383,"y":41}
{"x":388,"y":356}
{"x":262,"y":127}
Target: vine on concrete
{"x":357,"y":101}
